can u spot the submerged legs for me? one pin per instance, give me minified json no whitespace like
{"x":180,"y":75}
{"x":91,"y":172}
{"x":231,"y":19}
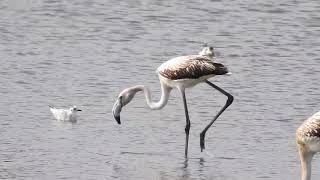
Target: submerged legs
{"x":229,"y":101}
{"x":187,"y":128}
{"x":188,"y":124}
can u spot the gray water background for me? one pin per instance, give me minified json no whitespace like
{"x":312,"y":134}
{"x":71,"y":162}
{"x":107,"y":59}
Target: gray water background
{"x":85,"y":52}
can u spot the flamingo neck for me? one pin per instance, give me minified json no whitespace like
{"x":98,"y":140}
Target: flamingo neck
{"x":165,"y":91}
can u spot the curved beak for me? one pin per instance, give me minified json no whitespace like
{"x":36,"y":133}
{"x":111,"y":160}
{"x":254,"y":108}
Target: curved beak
{"x":116,"y":110}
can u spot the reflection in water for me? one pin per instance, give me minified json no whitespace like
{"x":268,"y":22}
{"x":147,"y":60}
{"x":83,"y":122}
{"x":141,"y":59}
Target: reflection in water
{"x":201,"y":162}
{"x":185,"y":172}
{"x":62,"y":124}
{"x":144,"y":153}
{"x":201,"y":167}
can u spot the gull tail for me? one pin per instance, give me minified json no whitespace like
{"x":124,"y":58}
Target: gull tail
{"x":52,"y":107}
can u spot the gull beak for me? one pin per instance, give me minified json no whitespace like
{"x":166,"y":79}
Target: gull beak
{"x":116,"y":110}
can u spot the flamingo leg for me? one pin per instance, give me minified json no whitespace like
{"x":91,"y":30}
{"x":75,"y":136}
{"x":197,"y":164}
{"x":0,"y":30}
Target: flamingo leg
{"x":229,"y":101}
{"x":305,"y":158}
{"x":188,"y":124}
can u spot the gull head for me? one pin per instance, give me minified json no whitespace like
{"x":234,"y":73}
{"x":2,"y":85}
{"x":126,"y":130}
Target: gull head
{"x":207,"y":51}
{"x":74,"y":109}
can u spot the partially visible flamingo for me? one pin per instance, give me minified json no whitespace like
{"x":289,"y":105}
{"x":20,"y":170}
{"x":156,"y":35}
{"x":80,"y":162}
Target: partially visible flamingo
{"x":308,"y":141}
{"x":181,"y":73}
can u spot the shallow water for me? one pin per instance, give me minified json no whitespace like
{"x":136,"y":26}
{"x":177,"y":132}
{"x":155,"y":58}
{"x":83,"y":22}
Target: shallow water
{"x":84,"y":53}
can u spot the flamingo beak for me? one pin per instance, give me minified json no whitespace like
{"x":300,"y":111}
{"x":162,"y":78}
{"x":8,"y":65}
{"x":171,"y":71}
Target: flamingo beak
{"x":116,"y":110}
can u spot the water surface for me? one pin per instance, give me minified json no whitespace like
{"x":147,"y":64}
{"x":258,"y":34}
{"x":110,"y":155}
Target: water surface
{"x":84,"y":53}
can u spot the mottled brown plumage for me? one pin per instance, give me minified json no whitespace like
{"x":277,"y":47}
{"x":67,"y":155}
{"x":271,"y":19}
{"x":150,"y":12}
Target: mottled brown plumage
{"x":310,"y":128}
{"x":192,"y":67}
{"x":308,"y":141}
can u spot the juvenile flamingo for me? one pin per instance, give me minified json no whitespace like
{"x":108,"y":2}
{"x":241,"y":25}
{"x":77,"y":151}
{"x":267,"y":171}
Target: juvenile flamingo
{"x":181,"y":73}
{"x":308,"y":141}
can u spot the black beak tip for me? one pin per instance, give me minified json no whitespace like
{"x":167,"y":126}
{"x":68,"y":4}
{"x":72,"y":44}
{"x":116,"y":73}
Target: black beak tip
{"x":79,"y":110}
{"x":118,"y":119}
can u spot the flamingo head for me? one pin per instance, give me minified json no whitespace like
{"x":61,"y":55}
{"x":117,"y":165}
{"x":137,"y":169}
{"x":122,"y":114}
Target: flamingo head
{"x":123,"y":99}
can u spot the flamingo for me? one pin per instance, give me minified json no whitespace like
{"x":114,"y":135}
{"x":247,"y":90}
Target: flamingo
{"x":308,"y":141}
{"x":181,"y":73}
